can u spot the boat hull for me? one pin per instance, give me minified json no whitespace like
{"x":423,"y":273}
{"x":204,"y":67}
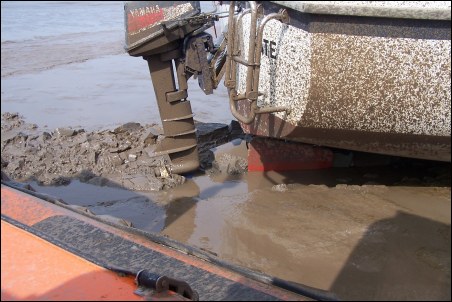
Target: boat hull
{"x":364,"y":83}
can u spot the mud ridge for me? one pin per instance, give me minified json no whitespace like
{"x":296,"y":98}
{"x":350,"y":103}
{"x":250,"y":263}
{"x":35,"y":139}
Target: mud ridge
{"x":121,"y":157}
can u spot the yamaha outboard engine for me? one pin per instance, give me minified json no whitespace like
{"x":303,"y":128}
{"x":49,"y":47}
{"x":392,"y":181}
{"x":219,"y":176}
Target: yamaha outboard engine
{"x":162,"y":32}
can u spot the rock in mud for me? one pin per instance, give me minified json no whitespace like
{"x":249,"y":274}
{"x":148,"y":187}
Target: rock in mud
{"x":44,"y":137}
{"x":280,"y":188}
{"x":128,"y":127}
{"x":149,"y":137}
{"x":12,"y":120}
{"x":229,"y":164}
{"x":64,"y":132}
{"x":8,"y":116}
{"x":210,"y":135}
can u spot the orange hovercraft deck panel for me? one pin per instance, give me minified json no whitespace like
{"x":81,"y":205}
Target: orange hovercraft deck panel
{"x":35,"y":269}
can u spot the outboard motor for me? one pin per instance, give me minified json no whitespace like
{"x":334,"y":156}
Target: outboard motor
{"x":162,"y":32}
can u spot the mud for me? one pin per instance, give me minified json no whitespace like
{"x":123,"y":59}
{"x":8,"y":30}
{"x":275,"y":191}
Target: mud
{"x":370,"y":228}
{"x":123,"y":157}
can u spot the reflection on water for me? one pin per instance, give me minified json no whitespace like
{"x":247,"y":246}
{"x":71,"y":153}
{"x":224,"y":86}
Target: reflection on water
{"x":328,"y":235}
{"x":304,"y":226}
{"x":134,"y":207}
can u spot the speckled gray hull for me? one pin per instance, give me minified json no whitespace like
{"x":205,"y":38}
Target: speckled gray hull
{"x":365,"y":83}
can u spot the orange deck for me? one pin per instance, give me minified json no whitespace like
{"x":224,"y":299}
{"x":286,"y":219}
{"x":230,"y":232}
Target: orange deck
{"x":34,"y":269}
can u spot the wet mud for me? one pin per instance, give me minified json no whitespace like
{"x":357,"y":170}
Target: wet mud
{"x":121,"y":157}
{"x":370,"y":228}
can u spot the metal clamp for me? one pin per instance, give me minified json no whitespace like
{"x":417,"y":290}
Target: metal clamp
{"x":147,"y":280}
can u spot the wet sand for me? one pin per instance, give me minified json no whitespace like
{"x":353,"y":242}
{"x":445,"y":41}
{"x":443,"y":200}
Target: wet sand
{"x":379,"y":230}
{"x":95,"y":94}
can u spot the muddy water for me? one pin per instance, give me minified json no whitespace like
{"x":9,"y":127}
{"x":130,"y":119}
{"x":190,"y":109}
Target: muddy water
{"x":362,"y":241}
{"x":372,"y":233}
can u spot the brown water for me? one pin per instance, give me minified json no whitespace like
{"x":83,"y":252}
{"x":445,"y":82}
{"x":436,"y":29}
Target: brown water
{"x":384,"y":235}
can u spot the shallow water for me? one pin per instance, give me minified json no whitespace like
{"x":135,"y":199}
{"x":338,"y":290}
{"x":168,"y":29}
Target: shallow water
{"x":304,"y":226}
{"x":58,"y":73}
{"x":365,"y":233}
